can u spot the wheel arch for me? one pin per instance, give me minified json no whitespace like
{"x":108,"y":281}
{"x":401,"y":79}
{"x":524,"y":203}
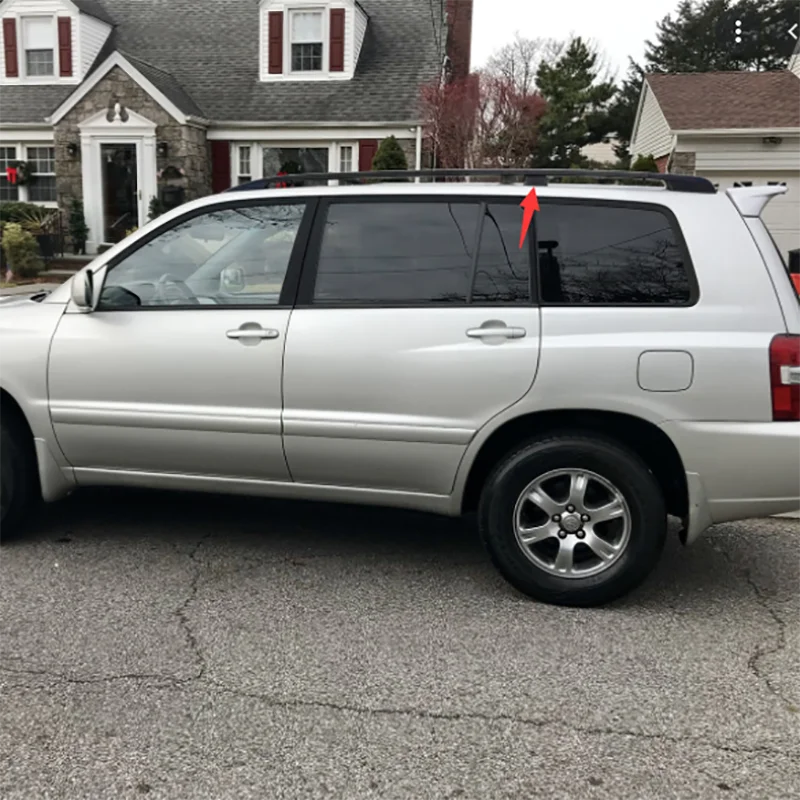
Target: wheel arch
{"x":645,"y":438}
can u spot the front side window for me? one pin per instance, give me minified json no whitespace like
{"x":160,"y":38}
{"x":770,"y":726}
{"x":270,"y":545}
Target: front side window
{"x":593,"y":254}
{"x":8,"y":190}
{"x":225,"y":257}
{"x":38,"y":40}
{"x":43,"y":187}
{"x":346,"y":158}
{"x":397,"y":253}
{"x":306,"y":41}
{"x":245,"y":170}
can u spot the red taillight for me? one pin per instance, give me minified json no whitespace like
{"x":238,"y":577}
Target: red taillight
{"x":784,"y":376}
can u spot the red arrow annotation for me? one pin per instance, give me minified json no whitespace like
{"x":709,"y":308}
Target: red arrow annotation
{"x":529,"y":204}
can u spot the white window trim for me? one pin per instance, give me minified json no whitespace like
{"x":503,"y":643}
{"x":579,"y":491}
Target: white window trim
{"x":287,"y":42}
{"x":43,"y":174}
{"x":21,"y":150}
{"x":22,"y":65}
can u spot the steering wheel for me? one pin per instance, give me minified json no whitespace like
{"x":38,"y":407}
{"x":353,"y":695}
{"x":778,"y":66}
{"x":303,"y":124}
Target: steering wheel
{"x":172,"y":291}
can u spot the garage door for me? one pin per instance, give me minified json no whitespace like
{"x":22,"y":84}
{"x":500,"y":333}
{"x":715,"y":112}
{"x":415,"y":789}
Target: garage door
{"x":782,"y":215}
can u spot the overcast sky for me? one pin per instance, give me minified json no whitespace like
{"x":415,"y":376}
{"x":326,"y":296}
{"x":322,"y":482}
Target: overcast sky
{"x":619,"y":27}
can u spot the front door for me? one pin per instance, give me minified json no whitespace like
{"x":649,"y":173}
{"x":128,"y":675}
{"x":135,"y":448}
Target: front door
{"x":177,"y":373}
{"x":414,"y":327}
{"x":120,"y":190}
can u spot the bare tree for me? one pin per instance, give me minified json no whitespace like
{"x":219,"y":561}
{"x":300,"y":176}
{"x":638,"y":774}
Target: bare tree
{"x":517,"y":62}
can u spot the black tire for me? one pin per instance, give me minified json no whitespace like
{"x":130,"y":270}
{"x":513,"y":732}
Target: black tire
{"x":18,"y":477}
{"x":622,"y":468}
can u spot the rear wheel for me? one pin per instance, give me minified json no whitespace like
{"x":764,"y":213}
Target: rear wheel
{"x":573,"y":520}
{"x":18,"y":480}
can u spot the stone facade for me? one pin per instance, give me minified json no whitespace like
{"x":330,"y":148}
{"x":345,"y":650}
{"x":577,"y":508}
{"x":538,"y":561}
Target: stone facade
{"x":683,"y":163}
{"x":187,"y":148}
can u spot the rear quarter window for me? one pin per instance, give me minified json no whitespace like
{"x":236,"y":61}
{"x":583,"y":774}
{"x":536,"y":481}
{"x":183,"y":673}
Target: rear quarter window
{"x":611,"y":254}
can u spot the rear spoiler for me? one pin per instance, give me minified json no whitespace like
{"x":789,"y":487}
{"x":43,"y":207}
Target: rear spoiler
{"x":751,"y":200}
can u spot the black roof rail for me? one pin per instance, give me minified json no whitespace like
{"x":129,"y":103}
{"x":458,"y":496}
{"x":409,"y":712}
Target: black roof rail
{"x":530,"y":177}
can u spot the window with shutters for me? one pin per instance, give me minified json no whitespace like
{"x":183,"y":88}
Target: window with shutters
{"x":38,"y":44}
{"x":306,"y":37}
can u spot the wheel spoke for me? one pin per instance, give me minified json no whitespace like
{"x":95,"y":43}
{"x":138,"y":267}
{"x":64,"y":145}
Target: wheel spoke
{"x":529,"y":536}
{"x":600,"y":547}
{"x":566,"y":549}
{"x":577,"y":489}
{"x":610,"y":511}
{"x":539,"y":497}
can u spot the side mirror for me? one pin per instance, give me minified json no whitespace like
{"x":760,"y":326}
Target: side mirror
{"x":82,"y":290}
{"x":232,"y":280}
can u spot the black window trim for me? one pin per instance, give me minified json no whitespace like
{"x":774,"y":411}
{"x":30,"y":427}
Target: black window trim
{"x":694,"y":287}
{"x":291,"y":281}
{"x":308,"y":278}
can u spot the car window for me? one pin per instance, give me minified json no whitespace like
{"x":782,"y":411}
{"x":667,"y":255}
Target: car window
{"x":390,"y":252}
{"x":502,"y":273}
{"x":609,"y":255}
{"x":228,"y":256}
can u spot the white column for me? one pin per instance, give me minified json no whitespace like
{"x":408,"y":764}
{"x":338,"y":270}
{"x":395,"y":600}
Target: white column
{"x":418,"y":154}
{"x":92,"y":180}
{"x":148,"y":186}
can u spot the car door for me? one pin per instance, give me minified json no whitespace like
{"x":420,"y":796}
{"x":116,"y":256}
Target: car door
{"x":414,"y":326}
{"x":177,"y":372}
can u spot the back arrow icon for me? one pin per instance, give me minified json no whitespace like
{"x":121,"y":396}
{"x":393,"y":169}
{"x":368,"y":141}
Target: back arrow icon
{"x":792,"y":31}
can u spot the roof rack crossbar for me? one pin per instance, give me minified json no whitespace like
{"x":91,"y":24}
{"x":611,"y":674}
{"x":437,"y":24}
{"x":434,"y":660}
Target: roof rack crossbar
{"x":530,"y":177}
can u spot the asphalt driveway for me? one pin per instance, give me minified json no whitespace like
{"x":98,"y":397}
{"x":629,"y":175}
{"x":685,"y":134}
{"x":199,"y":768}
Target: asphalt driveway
{"x":201,"y":647}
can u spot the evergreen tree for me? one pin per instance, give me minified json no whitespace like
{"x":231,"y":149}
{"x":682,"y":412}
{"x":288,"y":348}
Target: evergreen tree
{"x":577,"y":111}
{"x":389,"y":156}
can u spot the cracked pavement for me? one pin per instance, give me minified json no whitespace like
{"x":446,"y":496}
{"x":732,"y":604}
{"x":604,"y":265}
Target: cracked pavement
{"x":183,"y":646}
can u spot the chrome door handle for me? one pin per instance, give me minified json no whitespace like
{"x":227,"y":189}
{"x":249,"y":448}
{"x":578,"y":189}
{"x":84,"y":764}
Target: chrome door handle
{"x":497,"y":330}
{"x":253,"y":333}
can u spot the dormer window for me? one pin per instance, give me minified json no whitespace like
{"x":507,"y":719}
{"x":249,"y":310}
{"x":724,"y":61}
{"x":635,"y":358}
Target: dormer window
{"x":306,"y":31}
{"x":38,"y":42}
{"x":310,"y":40}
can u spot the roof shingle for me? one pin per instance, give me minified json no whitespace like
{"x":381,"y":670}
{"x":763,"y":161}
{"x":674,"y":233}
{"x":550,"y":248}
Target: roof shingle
{"x":709,"y":100}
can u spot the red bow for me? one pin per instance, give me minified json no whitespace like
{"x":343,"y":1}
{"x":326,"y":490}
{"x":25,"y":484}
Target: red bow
{"x":281,"y":184}
{"x":11,"y":174}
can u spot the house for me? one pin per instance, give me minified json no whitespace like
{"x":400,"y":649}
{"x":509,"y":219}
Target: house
{"x":734,"y":128}
{"x":121,"y":101}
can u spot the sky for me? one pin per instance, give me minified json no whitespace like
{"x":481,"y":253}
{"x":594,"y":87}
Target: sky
{"x":618,"y":27}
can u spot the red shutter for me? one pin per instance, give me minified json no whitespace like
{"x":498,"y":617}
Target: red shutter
{"x":366,"y":152}
{"x":65,"y":46}
{"x":275,"y":42}
{"x":220,"y":166}
{"x":10,"y":47}
{"x":337,"y":40}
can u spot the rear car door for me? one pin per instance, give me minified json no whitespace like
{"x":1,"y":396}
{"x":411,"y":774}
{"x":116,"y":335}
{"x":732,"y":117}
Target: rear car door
{"x":414,"y":326}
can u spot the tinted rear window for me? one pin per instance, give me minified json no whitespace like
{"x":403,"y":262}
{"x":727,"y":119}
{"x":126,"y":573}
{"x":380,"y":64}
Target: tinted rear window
{"x":610,"y":255}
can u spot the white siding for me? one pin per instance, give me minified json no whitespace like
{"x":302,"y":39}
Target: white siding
{"x":93,"y":35}
{"x":794,"y":64}
{"x":653,"y":136}
{"x":359,"y":32}
{"x":749,"y":153}
{"x":352,"y":45}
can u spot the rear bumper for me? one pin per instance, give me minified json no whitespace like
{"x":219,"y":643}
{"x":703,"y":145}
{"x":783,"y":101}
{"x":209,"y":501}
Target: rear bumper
{"x":737,"y":470}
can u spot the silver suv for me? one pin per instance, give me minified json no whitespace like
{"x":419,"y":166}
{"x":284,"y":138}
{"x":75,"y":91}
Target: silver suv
{"x":391,"y":343}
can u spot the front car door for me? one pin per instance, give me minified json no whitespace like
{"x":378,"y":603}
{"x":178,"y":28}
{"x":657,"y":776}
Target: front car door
{"x":177,"y":373}
{"x":414,"y":326}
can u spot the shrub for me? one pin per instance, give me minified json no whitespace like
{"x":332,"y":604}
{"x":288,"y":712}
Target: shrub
{"x":21,"y":250}
{"x":78,"y":229}
{"x":15,"y":211}
{"x":389,"y":156}
{"x":156,"y":208}
{"x":644,"y":164}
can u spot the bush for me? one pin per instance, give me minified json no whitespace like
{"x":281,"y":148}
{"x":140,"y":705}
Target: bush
{"x":15,"y":211}
{"x":78,"y":229}
{"x":644,"y":164}
{"x":21,"y":250}
{"x":389,"y":156}
{"x":156,"y":208}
